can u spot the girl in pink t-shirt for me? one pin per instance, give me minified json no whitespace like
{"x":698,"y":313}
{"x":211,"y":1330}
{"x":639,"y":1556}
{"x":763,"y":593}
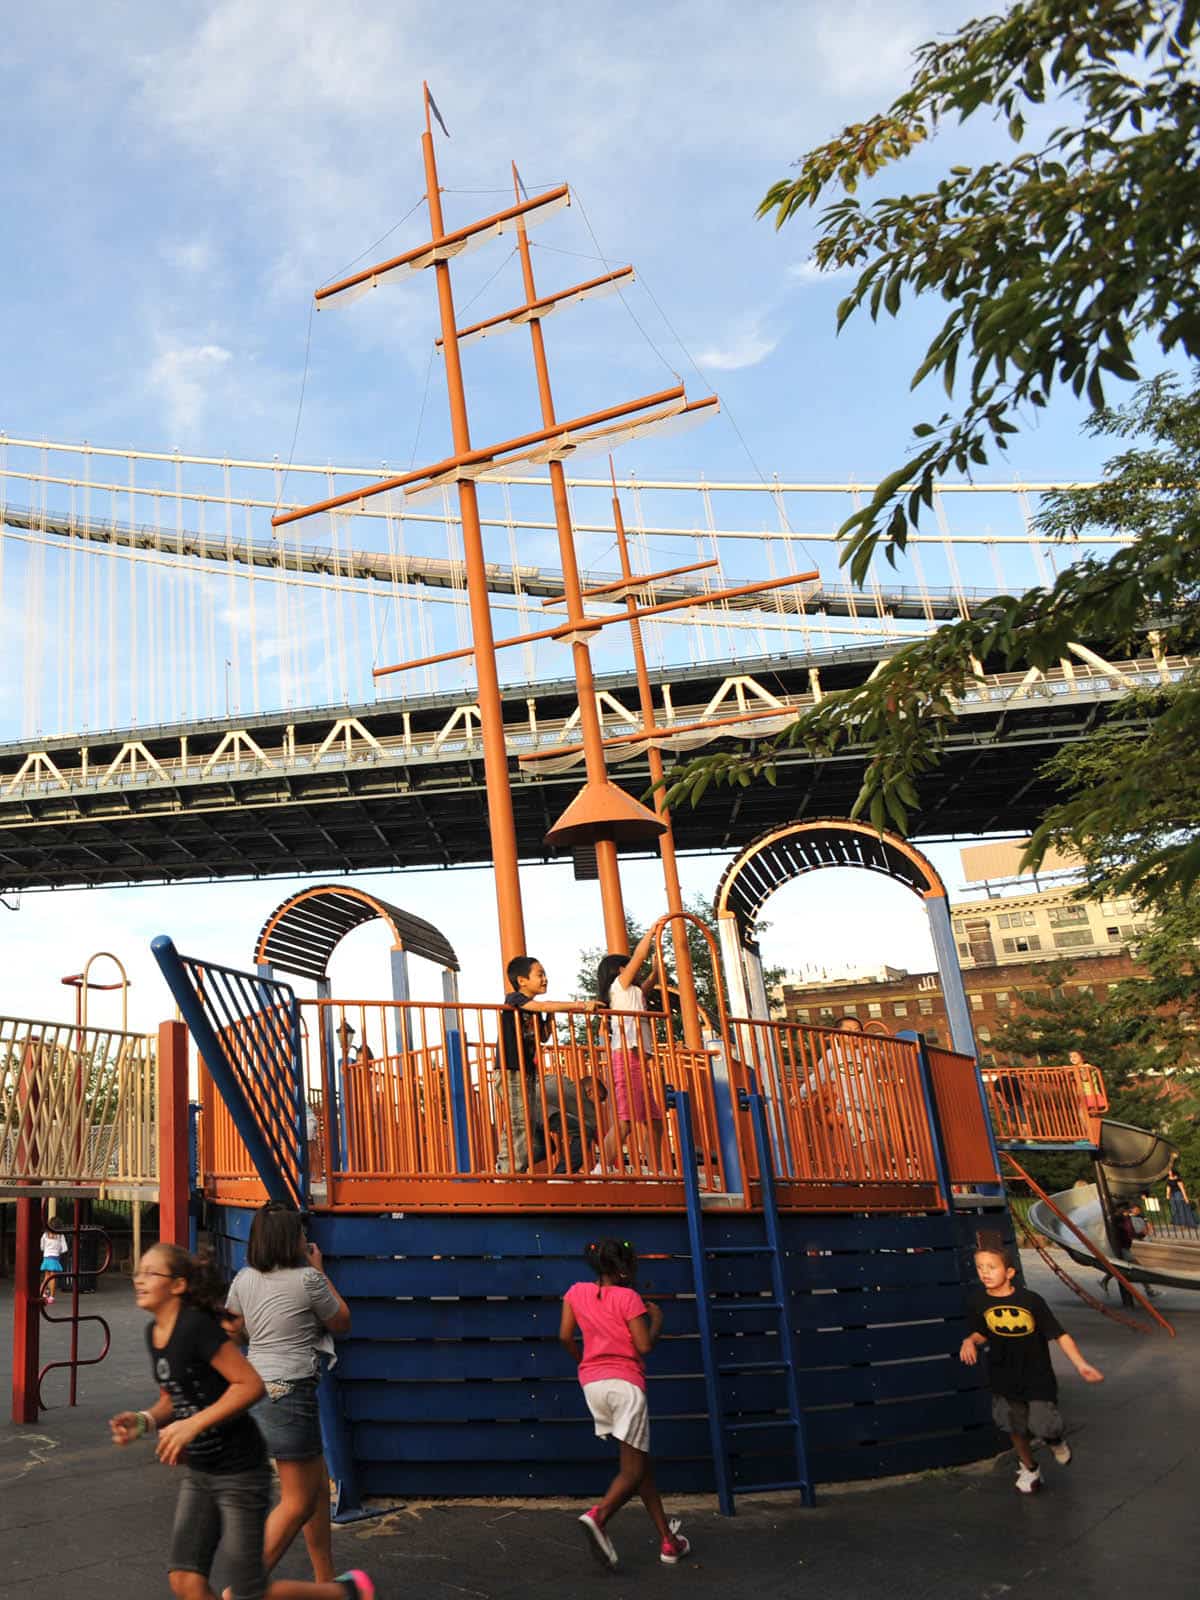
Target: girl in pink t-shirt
{"x":619,"y":1330}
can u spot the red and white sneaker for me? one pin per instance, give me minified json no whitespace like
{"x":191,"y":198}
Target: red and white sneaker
{"x":676,"y":1546}
{"x":601,"y":1546}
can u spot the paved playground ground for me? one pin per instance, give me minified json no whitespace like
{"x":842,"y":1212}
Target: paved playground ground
{"x":79,"y":1519}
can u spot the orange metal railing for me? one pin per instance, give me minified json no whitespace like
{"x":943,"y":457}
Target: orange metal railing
{"x":846,"y":1114}
{"x":425,"y":1113}
{"x":1045,"y":1105}
{"x":970,"y":1155}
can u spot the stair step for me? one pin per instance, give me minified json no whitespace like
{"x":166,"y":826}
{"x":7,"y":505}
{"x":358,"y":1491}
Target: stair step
{"x":757,"y":1427}
{"x":738,"y":1369}
{"x":773,"y":1488}
{"x":737,"y":1250}
{"x":744,"y":1305}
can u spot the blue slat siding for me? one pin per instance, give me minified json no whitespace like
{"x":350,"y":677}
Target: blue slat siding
{"x":454,"y":1383}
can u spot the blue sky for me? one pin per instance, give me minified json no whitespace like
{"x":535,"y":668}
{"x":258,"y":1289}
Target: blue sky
{"x":178,"y":179}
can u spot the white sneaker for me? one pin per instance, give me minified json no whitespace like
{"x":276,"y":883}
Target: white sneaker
{"x":601,"y":1546}
{"x":1029,"y":1480}
{"x":1060,"y":1450}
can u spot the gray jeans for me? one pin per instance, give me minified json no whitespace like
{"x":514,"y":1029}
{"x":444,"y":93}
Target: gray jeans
{"x":228,"y":1509}
{"x":522,"y":1139}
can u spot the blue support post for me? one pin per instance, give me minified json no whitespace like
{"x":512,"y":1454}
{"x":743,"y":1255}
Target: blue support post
{"x":723,"y":1106}
{"x":962,"y":1034}
{"x":458,"y":1098}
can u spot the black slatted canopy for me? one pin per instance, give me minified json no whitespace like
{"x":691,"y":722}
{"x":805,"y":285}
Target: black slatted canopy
{"x":778,"y":856}
{"x":300,"y":936}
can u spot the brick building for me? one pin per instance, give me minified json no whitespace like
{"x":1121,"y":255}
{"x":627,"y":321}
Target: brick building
{"x":1004,"y":946}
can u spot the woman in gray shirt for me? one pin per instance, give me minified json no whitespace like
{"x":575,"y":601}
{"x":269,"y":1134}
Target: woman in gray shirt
{"x":287,"y":1309}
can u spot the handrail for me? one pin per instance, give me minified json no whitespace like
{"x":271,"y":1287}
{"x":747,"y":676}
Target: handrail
{"x":1092,"y":1249}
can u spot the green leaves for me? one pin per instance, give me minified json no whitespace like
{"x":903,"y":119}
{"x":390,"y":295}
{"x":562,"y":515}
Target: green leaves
{"x":1053,"y":264}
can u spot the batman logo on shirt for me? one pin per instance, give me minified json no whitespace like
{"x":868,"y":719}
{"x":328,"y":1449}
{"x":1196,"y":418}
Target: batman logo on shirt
{"x":1010,"y":1322}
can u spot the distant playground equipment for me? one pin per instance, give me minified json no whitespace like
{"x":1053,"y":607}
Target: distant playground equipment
{"x":1128,"y":1162}
{"x":79,"y":1122}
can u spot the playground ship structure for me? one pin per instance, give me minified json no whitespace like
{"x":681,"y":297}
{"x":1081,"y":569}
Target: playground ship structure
{"x":803,"y":1202}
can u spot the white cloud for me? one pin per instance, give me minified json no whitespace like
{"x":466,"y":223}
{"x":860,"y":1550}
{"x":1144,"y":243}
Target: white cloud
{"x":182,"y":376}
{"x":746,"y":346}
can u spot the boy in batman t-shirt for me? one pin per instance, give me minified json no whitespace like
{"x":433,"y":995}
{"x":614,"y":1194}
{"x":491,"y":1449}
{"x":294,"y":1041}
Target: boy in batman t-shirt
{"x":1017,"y":1325}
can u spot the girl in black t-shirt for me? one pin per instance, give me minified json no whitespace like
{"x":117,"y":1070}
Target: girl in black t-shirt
{"x":206,"y":1387}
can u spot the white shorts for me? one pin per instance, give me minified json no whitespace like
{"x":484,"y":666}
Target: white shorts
{"x":620,"y":1411}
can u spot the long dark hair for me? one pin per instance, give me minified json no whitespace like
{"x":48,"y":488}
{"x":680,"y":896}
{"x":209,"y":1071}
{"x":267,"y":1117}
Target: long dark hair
{"x":206,"y":1288}
{"x":606,"y":975}
{"x":612,"y":1258}
{"x":276,"y":1238}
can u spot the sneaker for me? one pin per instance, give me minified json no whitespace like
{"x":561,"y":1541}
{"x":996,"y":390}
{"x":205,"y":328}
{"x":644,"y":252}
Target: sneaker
{"x":676,"y":1546}
{"x":599,"y":1543}
{"x":357,"y":1585}
{"x":1029,"y":1480}
{"x":1060,"y":1450}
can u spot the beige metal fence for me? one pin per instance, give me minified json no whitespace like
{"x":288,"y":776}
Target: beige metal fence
{"x":77,"y":1106}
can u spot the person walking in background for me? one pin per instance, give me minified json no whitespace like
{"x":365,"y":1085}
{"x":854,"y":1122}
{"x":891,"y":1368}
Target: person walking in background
{"x":1178,"y":1201}
{"x":288,"y":1309}
{"x":200,"y":1423}
{"x":619,"y":980}
{"x":53,"y":1248}
{"x":619,"y":1330}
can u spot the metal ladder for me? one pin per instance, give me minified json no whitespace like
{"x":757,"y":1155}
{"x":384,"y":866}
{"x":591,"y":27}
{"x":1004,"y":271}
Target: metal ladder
{"x":725,"y":1427}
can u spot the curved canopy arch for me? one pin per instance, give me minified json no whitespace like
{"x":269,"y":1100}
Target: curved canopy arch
{"x":781,"y":854}
{"x":300,"y":936}
{"x":787,"y":852}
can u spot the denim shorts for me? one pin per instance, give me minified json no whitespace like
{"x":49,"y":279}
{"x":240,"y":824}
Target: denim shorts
{"x":1036,"y":1419}
{"x":291,"y":1425}
{"x":228,"y":1509}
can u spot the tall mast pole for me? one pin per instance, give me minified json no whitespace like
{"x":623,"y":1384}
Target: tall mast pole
{"x":501,"y":823}
{"x":615,"y":932}
{"x":684,"y":972}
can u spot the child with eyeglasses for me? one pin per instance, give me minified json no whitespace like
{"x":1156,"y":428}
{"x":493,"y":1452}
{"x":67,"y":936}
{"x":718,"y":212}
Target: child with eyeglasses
{"x":619,"y":1330}
{"x":201,"y":1424}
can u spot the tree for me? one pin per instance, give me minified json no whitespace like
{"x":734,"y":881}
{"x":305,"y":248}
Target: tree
{"x":1062,"y":268}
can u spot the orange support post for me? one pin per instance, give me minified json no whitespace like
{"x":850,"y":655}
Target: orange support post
{"x":173,"y":1133}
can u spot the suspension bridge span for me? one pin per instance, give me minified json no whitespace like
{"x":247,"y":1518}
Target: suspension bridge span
{"x":188,"y":692}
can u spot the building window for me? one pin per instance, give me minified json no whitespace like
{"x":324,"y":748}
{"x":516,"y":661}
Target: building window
{"x":874,"y":1009}
{"x":1067,"y":916}
{"x":801,"y":1013}
{"x":1114,"y":988}
{"x":984,"y":1035}
{"x":1073,"y":939}
{"x":1084,"y":988}
{"x":1113,"y":935}
{"x":826,"y":1014}
{"x":1002,"y":997}
{"x":1021,"y":944}
{"x":1016,"y":919}
{"x":900,"y":1009}
{"x":849,"y":1011}
{"x":964,"y":949}
{"x":925,"y":1005}
{"x":976,"y":1002}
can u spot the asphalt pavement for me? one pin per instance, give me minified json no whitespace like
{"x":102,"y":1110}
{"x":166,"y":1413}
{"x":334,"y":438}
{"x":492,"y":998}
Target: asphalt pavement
{"x":79,"y":1519}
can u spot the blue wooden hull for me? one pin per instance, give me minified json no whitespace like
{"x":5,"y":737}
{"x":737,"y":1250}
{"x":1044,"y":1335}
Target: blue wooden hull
{"x":452,"y":1381}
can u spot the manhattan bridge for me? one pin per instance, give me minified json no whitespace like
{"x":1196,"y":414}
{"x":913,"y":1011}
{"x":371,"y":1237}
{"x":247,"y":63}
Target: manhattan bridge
{"x":188,"y":689}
